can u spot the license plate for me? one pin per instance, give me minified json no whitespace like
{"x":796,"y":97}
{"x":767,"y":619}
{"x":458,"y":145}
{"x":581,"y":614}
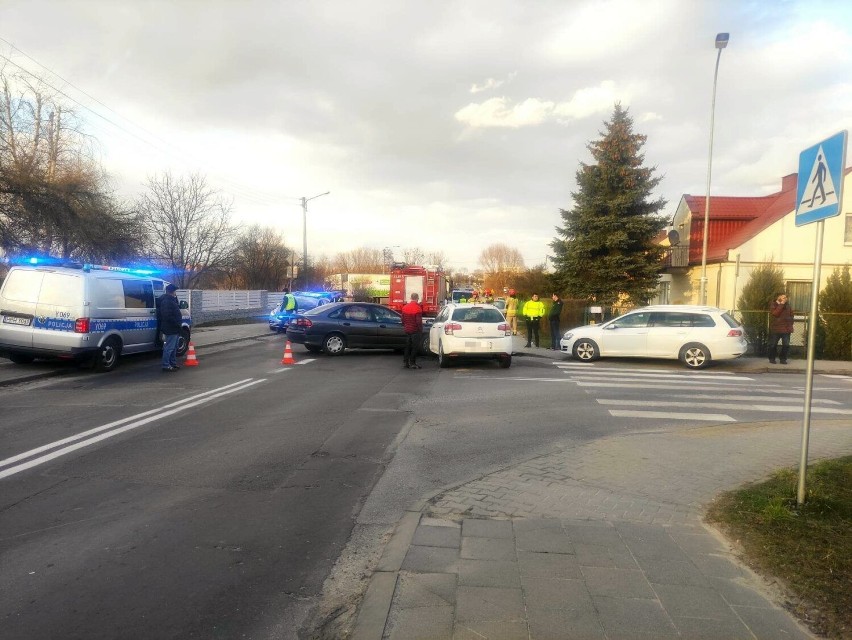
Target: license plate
{"x":24,"y":322}
{"x":478,"y":344}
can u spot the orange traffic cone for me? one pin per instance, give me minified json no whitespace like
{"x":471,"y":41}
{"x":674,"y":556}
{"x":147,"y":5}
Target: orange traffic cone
{"x":191,"y":360}
{"x":288,"y":355}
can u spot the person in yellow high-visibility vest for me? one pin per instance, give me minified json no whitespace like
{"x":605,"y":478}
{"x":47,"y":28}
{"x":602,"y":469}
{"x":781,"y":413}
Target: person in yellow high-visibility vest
{"x":533,"y":311}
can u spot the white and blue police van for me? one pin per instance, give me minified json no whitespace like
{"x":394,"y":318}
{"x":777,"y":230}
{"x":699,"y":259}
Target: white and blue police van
{"x":89,"y":313}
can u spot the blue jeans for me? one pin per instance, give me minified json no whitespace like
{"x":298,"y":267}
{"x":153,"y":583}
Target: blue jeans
{"x":170,"y":351}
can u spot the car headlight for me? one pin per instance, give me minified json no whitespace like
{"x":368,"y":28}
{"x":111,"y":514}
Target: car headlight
{"x":568,"y":335}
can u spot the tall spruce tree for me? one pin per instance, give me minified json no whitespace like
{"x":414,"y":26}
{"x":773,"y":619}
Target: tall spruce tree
{"x":605,"y":249}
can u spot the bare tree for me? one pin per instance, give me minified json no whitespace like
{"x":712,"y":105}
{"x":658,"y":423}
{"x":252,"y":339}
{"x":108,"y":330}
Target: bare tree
{"x":54,"y":197}
{"x":361,"y":260}
{"x":501,"y":258}
{"x":437,"y":258}
{"x":261,"y":259}
{"x":188,"y":227}
{"x":413,"y":255}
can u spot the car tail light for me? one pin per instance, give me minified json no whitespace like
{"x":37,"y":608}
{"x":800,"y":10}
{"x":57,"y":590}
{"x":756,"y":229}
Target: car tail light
{"x":505,"y":328}
{"x":303,"y":322}
{"x":450,"y":327}
{"x":735,"y":333}
{"x":81,"y":325}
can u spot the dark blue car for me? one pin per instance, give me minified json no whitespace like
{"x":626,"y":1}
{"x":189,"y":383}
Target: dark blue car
{"x":338,"y":326}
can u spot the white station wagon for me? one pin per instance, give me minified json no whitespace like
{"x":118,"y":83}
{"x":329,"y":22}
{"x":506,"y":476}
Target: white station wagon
{"x":696,"y":335}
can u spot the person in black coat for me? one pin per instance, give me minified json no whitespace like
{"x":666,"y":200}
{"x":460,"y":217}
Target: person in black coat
{"x":553,"y":317}
{"x":171,"y":321}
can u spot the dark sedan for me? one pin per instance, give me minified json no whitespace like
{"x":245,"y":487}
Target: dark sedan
{"x":335,"y":327}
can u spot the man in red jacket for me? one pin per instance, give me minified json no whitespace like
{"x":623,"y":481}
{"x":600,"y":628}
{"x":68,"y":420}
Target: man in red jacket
{"x":412,"y":324}
{"x":780,"y":327}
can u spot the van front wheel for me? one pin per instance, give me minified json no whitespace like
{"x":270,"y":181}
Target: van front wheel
{"x":107,"y":356}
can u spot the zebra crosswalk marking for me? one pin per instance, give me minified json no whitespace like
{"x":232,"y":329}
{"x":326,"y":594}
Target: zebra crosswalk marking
{"x":666,"y":415}
{"x":722,"y":405}
{"x":649,"y":384}
{"x":664,"y":376}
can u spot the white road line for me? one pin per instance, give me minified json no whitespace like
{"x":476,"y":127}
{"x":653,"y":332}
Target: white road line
{"x":665,"y":415}
{"x":279,"y":370}
{"x":836,"y":376}
{"x":572,"y":364}
{"x":678,"y":376}
{"x":160,"y":413}
{"x":722,"y":405}
{"x":306,"y":361}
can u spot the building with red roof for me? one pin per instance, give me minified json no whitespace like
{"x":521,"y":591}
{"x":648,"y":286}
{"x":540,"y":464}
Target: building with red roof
{"x":744,"y":232}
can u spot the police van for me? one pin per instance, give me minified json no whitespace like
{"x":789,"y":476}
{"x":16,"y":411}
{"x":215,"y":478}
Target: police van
{"x":89,"y":313}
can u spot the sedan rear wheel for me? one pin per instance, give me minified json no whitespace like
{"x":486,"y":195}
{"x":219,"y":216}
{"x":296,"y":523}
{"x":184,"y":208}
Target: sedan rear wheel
{"x":695,"y":356}
{"x":586,"y":350}
{"x":334,"y":344}
{"x":443,"y":362}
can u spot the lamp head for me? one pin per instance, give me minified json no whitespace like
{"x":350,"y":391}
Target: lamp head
{"x":722,"y":40}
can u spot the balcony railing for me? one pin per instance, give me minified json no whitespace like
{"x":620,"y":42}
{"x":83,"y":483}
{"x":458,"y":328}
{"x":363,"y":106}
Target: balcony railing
{"x":677,"y":257}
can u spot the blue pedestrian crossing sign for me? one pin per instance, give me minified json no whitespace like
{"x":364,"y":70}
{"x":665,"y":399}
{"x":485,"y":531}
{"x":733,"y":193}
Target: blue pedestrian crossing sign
{"x":820,"y":186}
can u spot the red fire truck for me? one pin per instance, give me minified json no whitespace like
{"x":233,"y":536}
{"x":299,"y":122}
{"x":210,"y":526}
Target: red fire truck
{"x":427,"y":282}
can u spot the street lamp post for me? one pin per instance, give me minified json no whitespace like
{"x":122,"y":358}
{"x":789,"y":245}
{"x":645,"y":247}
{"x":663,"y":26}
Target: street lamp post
{"x":721,"y":43}
{"x":305,"y":234}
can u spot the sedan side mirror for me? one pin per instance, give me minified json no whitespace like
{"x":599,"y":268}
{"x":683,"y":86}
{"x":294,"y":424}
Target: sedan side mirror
{"x":183,"y":304}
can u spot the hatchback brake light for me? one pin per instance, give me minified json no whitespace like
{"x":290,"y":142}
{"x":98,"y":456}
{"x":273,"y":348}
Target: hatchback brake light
{"x":506,"y":328}
{"x":81,"y":325}
{"x":450,"y":327}
{"x":735,"y":333}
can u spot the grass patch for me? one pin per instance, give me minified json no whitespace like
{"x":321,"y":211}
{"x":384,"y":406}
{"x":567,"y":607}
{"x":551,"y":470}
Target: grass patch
{"x":808,"y":549}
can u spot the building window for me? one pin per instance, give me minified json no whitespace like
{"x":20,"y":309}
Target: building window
{"x":847,"y":236}
{"x":799,"y":293}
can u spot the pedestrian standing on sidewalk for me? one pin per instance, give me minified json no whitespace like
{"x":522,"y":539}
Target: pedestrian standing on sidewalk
{"x":533,"y":311}
{"x":553,"y":317}
{"x":412,"y":324}
{"x":170,"y":320}
{"x":780,"y":327}
{"x":512,"y":311}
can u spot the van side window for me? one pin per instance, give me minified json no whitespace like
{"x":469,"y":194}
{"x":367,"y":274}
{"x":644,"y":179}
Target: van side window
{"x":108,"y":294}
{"x":138,"y":294}
{"x":61,"y":290}
{"x":23,"y":286}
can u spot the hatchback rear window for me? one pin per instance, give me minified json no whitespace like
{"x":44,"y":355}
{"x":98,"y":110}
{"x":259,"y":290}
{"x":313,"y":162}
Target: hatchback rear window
{"x":730,"y":320}
{"x":478,"y":314}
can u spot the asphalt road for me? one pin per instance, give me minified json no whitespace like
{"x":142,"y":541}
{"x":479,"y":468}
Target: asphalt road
{"x":214,"y":502}
{"x":210,"y":516}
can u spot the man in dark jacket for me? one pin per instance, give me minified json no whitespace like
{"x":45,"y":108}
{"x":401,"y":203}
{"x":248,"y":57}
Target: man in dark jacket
{"x":780,"y":327}
{"x":171,"y":322}
{"x":553,"y":317}
{"x":412,"y":324}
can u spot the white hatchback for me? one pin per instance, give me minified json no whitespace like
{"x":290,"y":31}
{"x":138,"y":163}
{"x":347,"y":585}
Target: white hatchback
{"x":471,"y":330}
{"x":695,"y":335}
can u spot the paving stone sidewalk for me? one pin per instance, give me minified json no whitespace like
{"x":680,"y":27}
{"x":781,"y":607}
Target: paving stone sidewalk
{"x":600,"y":540}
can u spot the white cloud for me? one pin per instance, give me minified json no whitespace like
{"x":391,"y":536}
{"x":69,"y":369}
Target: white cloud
{"x":491,"y":83}
{"x":499,"y":112}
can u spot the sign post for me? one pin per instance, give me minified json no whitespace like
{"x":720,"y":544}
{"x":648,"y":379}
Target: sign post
{"x":818,"y":197}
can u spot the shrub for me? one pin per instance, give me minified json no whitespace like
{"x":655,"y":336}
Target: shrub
{"x":835,"y":305}
{"x":758,"y":293}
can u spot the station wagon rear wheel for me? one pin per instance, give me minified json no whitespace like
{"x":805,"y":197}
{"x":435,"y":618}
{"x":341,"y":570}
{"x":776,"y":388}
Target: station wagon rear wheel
{"x":695,"y":356}
{"x":334,"y":344}
{"x":107,"y":356}
{"x":586,"y":350}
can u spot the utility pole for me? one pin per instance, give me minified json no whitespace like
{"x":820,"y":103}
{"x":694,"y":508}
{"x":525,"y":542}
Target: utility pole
{"x":305,"y":234}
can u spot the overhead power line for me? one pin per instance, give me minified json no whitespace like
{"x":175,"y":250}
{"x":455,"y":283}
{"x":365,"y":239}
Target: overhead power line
{"x":153,"y":141}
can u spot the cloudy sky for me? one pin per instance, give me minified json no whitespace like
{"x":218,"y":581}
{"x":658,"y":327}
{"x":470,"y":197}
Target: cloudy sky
{"x":447,"y":125}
